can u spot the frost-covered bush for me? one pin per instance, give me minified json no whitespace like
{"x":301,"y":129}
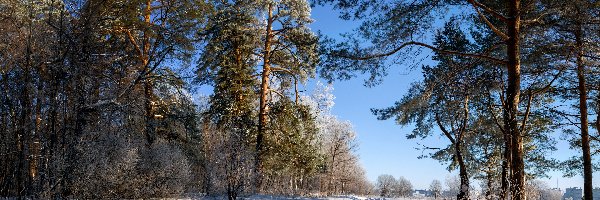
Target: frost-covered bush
{"x":228,"y":164}
{"x":106,"y":166}
{"x":163,"y":171}
{"x":122,"y":166}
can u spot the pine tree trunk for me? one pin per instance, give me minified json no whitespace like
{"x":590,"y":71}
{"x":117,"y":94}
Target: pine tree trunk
{"x":463,"y":193}
{"x":148,"y":87}
{"x":507,"y":159}
{"x":583,"y":110}
{"x":517,"y":180}
{"x":149,"y":129}
{"x":264,"y":91}
{"x":506,"y":162}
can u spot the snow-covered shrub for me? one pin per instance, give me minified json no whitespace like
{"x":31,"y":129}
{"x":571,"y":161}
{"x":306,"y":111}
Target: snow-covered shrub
{"x":105,"y":166}
{"x":122,"y":166}
{"x":163,"y":171}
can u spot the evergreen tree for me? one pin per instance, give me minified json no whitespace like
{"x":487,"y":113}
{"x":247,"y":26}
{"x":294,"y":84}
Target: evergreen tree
{"x":391,"y":28}
{"x":289,"y":53}
{"x":444,"y":99}
{"x":282,"y":49}
{"x":574,"y":30}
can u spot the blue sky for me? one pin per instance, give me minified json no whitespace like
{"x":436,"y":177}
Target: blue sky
{"x":384,"y":148}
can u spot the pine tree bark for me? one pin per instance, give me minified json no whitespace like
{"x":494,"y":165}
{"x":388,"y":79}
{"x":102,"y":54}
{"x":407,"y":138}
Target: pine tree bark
{"x":463,"y":193}
{"x":457,"y":141}
{"x":264,"y":91}
{"x":148,"y":85}
{"x":513,"y":92}
{"x":149,"y":129}
{"x":464,"y":176}
{"x":583,"y":110}
{"x":507,"y":160}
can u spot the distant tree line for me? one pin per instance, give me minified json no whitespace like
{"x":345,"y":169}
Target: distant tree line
{"x":98,"y":101}
{"x":388,"y":186}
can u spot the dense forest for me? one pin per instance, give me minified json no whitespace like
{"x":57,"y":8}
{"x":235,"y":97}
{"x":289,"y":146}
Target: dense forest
{"x":99,"y":98}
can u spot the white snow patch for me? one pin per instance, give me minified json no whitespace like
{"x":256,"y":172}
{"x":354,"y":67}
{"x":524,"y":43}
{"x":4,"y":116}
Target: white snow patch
{"x":269,"y":197}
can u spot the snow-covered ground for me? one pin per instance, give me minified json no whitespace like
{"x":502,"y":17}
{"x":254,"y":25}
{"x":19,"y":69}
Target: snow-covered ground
{"x":267,"y":197}
{"x":257,"y":197}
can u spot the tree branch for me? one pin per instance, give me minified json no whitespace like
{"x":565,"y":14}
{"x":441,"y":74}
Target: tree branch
{"x":134,"y":43}
{"x":489,"y":24}
{"x":278,"y":69}
{"x":488,"y":10}
{"x":367,"y":57}
{"x":465,"y":121}
{"x":527,"y":112}
{"x":545,"y":88}
{"x":491,"y":109}
{"x":591,"y":56}
{"x":448,"y":135}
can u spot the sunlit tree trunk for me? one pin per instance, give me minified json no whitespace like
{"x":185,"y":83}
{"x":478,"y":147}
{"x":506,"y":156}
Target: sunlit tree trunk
{"x":264,"y":91}
{"x":148,"y":83}
{"x":513,"y":92}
